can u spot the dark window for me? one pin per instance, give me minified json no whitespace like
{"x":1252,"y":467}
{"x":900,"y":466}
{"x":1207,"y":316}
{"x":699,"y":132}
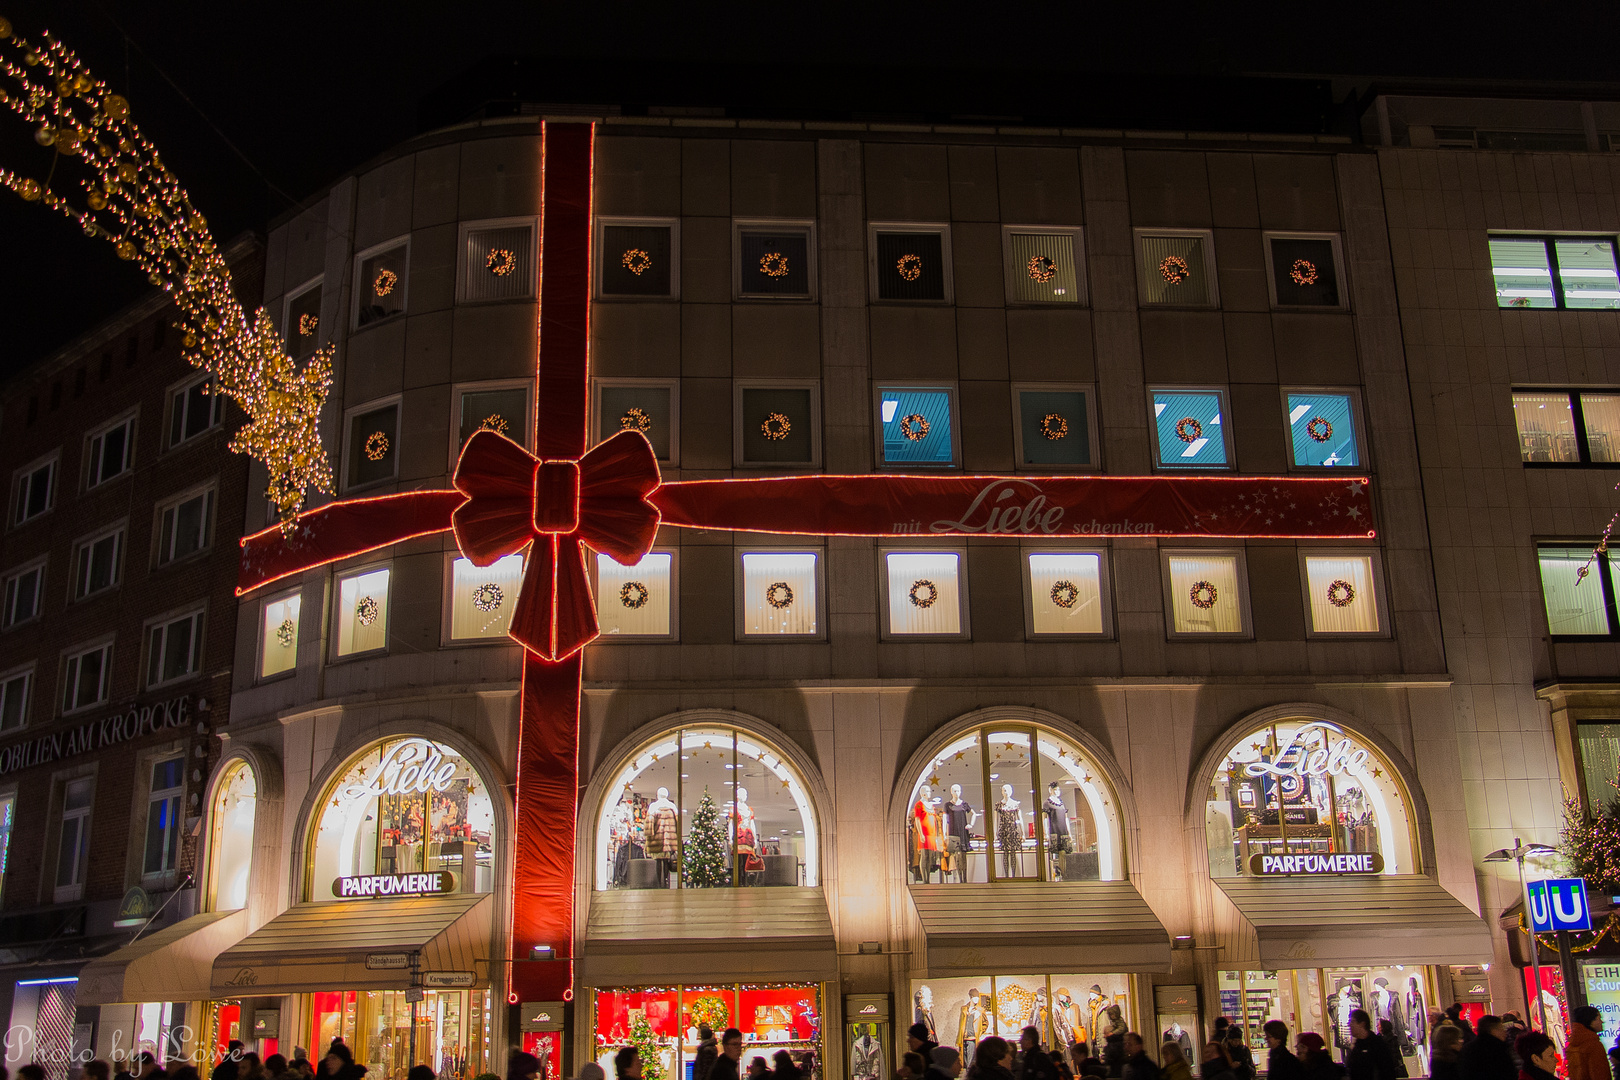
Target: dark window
{"x":106,"y":366}
{"x":635,"y":260}
{"x":647,"y":409}
{"x":1304,"y":272}
{"x":381,"y":286}
{"x":193,"y":411}
{"x":99,"y":563}
{"x":777,"y":425}
{"x":56,"y":396}
{"x":500,"y":264}
{"x":33,"y":409}
{"x":78,"y":383}
{"x":35,"y":490}
{"x":910,"y":266}
{"x":174,"y":650}
{"x":505,"y":412}
{"x":109,"y":454}
{"x":1054,"y":428}
{"x":775,"y":262}
{"x":131,"y":351}
{"x":160,"y":331}
{"x":184,"y":528}
{"x":303,"y":330}
{"x":373,"y":445}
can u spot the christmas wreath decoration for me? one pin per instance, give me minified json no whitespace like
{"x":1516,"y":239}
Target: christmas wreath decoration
{"x":773,"y":264}
{"x":635,"y":420}
{"x":710,"y":1011}
{"x":494,"y":422}
{"x":1519,"y":301}
{"x":636,"y":261}
{"x":909,"y":267}
{"x":1319,"y":428}
{"x":1303,"y":272}
{"x":914,"y":427}
{"x":1341,"y":593}
{"x":779,"y":595}
{"x":633,"y":594}
{"x":1189,"y":429}
{"x":920,"y":600}
{"x":1203,"y":595}
{"x":384,"y":282}
{"x":1042,"y":269}
{"x":285,"y":632}
{"x":1053,"y":426}
{"x":487,"y":597}
{"x":366,"y":611}
{"x":307,"y":324}
{"x":1064,"y":594}
{"x":376,"y":446}
{"x":500,"y":262}
{"x":1174,"y":269}
{"x":776,"y":427}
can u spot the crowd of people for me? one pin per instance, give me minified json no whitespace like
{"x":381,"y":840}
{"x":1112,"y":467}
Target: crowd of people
{"x":715,"y":1059}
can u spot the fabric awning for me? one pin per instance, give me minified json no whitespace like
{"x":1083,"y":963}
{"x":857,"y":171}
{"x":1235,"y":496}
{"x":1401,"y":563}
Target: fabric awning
{"x":710,"y":935}
{"x":1040,"y":928}
{"x":172,"y":964}
{"x":1334,"y":921}
{"x":323,"y":946}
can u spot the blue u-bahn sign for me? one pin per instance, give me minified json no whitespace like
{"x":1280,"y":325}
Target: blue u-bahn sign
{"x":1559,"y":904}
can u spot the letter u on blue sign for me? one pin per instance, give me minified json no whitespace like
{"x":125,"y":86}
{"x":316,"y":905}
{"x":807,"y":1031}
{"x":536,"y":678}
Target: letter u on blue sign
{"x":1559,"y":904}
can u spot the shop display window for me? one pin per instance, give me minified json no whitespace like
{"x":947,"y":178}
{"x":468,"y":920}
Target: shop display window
{"x":1305,"y":787}
{"x":703,"y":808}
{"x":482,"y":598}
{"x":1066,"y":1009}
{"x":452,"y":1030}
{"x":1322,"y":999}
{"x":230,"y":842}
{"x":663,"y":1022}
{"x":987,"y":809}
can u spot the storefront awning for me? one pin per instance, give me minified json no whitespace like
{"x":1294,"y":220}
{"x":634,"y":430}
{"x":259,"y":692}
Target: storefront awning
{"x":324,"y":946}
{"x":1040,"y":928}
{"x":172,"y":964}
{"x":708,"y":935}
{"x":1337,"y":921}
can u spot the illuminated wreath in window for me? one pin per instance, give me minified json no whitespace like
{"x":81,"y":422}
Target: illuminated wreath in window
{"x":923,"y":593}
{"x":776,"y":427}
{"x":909,"y":267}
{"x":500,"y":261}
{"x":636,"y":261}
{"x":494,"y":422}
{"x":1064,"y":594}
{"x":1519,"y":301}
{"x":384,"y":282}
{"x":633,"y":594}
{"x":1174,"y":269}
{"x":1303,"y":272}
{"x":376,"y":446}
{"x":1053,"y":426}
{"x":285,"y":633}
{"x":779,"y":595}
{"x":487,"y":597}
{"x":635,"y":420}
{"x":1041,"y":269}
{"x":1203,"y":595}
{"x":366,"y":611}
{"x":773,"y":264}
{"x":307,"y":324}
{"x":1341,"y":593}
{"x":1189,"y":429}
{"x":1319,"y":428}
{"x":914,"y":427}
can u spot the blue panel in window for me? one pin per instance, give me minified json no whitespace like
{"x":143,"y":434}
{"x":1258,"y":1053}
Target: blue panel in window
{"x":1323,"y":430}
{"x":916,"y":427}
{"x":1189,"y":428}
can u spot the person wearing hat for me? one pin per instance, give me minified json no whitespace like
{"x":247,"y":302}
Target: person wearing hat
{"x":1588,"y":1060}
{"x":945,"y":1063}
{"x":920,"y":1040}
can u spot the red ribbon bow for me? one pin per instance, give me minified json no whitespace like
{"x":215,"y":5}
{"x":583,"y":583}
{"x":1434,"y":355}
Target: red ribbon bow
{"x":515,"y":500}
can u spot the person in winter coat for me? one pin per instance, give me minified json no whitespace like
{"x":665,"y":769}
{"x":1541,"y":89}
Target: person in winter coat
{"x":1370,"y":1057}
{"x":1086,"y":1063}
{"x":1445,"y":1052}
{"x":1138,"y":1066}
{"x":918,"y":1042}
{"x":1281,"y":1064}
{"x":785,"y":1069}
{"x":946,"y":1064}
{"x":708,"y":1050}
{"x":231,"y":1064}
{"x":1175,"y":1067}
{"x":1217,"y":1065}
{"x":1539,"y":1055}
{"x":1315,"y":1059}
{"x":1036,"y":1063}
{"x":1386,"y":1031}
{"x":519,"y":1065}
{"x":990,"y":1060}
{"x":1488,"y":1057}
{"x":1588,"y":1060}
{"x":1237,"y":1049}
{"x":725,"y":1066}
{"x":758,"y":1068}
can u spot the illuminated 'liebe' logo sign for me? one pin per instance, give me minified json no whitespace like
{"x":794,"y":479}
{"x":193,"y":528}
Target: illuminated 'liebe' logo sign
{"x":411,"y":767}
{"x":1314,"y":753}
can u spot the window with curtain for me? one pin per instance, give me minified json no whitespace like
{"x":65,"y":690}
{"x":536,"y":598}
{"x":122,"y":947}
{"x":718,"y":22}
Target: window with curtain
{"x":231,"y":836}
{"x":1065,"y":593}
{"x":1190,"y":433}
{"x":503,"y":410}
{"x":779,"y":594}
{"x":1600,"y":762}
{"x":1343,"y":594}
{"x":482,"y":598}
{"x":362,"y":612}
{"x":924,"y":592}
{"x":1546,"y":423}
{"x":1205,"y":592}
{"x":916,"y":424}
{"x":634,"y":601}
{"x":1322,"y":429}
{"x":1554,"y":271}
{"x":499,"y":262}
{"x":1577,"y":605}
{"x":1175,"y":270}
{"x":1042,"y":268}
{"x":278,"y":637}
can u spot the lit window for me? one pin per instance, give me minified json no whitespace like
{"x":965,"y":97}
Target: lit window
{"x":23,"y":594}
{"x":1600,"y":763}
{"x":86,"y":678}
{"x":174,"y":649}
{"x":1322,"y":429}
{"x":638,"y":258}
{"x":498,"y":260}
{"x":303,"y":326}
{"x":73,"y":841}
{"x":1206,"y":593}
{"x":1176,"y":269}
{"x":1567,"y":427}
{"x":777,"y":424}
{"x":278,"y":636}
{"x":1044,"y":266}
{"x":634,"y":601}
{"x":1578,"y":604}
{"x":482,"y":599}
{"x":98,"y":563}
{"x":374,"y":445}
{"x":779,"y":594}
{"x":649,"y":406}
{"x":1305,"y":271}
{"x":1554,"y":272}
{"x":1343,"y":594}
{"x":776,"y":261}
{"x":184,"y":527}
{"x":502,"y":409}
{"x":380,"y":285}
{"x":163,"y":816}
{"x":230,"y":849}
{"x":8,"y":821}
{"x":925,"y":596}
{"x":193,"y":410}
{"x":15,"y":695}
{"x":918,"y":427}
{"x":362,"y":612}
{"x":110,"y":453}
{"x":36,"y":491}
{"x":1055,"y":429}
{"x":910,"y":262}
{"x":1190,"y":432}
{"x":1066,"y":593}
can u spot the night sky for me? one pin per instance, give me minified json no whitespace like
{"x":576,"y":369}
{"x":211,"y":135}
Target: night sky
{"x":285,"y":97}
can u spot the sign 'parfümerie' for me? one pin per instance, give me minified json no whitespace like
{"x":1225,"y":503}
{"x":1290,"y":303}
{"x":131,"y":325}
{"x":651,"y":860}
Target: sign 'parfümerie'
{"x":1338,"y":862}
{"x":132,"y":723}
{"x":361,"y":887}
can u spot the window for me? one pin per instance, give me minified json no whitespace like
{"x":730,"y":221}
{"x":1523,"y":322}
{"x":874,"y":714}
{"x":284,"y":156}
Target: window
{"x":362,"y":612}
{"x":926,"y":594}
{"x":193,"y":410}
{"x":1305,"y":270}
{"x":1190,"y":434}
{"x":1044,"y":266}
{"x":776,"y":260}
{"x":1568,"y":427}
{"x":1068,"y":594}
{"x":174,"y":649}
{"x":379,"y":289}
{"x":1600,"y":763}
{"x":98,"y":563}
{"x":1055,"y":428}
{"x":373,"y":445}
{"x":780,"y":594}
{"x":1577,"y":586}
{"x":24,"y":592}
{"x":911,"y":262}
{"x":36,"y":491}
{"x":73,"y":842}
{"x":501,"y":409}
{"x":110,"y":452}
{"x":1323,"y":427}
{"x":778,"y":423}
{"x":278,"y":635}
{"x":636,"y":601}
{"x":185,"y":526}
{"x":498,"y":260}
{"x":163,"y":816}
{"x":650,"y":406}
{"x":16,"y":690}
{"x":1176,"y":269}
{"x":785,"y":1015}
{"x":8,"y":822}
{"x":303,"y":324}
{"x":86,"y":678}
{"x":1342,"y":589}
{"x":230,"y":848}
{"x":1555,"y":272}
{"x":482,"y":598}
{"x":916,"y":426}
{"x":1205,"y":593}
{"x":638,"y":258}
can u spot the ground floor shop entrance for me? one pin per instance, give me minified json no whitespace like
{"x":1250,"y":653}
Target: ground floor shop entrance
{"x":452,"y":1028}
{"x":663,"y":1022}
{"x":1066,"y":1009}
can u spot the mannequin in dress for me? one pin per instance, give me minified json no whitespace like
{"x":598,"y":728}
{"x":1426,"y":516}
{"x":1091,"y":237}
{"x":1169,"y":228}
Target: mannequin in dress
{"x":623,"y":842}
{"x":923,"y":1011}
{"x":1009,"y":831}
{"x":927,"y":843}
{"x":1058,"y":840}
{"x":972,"y":1024}
{"x":959,"y":818}
{"x":744,"y":845}
{"x":664,"y":834}
{"x":1417,"y":1010}
{"x":1177,"y":1034}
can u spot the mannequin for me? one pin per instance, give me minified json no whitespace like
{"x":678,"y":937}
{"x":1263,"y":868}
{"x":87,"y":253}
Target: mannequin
{"x":925,"y":838}
{"x":664,"y":834}
{"x":1345,"y":1002}
{"x":1177,"y":1034}
{"x":972,"y":1024}
{"x":1037,"y":1010}
{"x":1417,"y":1009}
{"x":866,"y":1055}
{"x":624,"y":838}
{"x":1058,"y":840}
{"x":1066,"y":1027}
{"x":744,"y":845}
{"x":1095,"y":1003}
{"x":1009,"y":831}
{"x":923,"y":1011}
{"x":959,"y":818}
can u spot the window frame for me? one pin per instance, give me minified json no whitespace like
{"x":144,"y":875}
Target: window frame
{"x":923,"y":228}
{"x":1010,"y":270}
{"x":124,"y":420}
{"x":8,"y":829}
{"x":83,"y":544}
{"x":673,"y":385}
{"x":1337,"y":242}
{"x":458,"y":390}
{"x":1357,"y":417}
{"x":1380,"y":592}
{"x":739,"y":604}
{"x":74,"y":890}
{"x":176,"y":795}
{"x":1229,"y":467}
{"x":886,"y":632}
{"x":1212,"y":272}
{"x":447,"y":639}
{"x":23,"y":475}
{"x":30,"y":672}
{"x":1086,"y":388}
{"x":198,"y":615}
{"x":354,"y":413}
{"x":105,"y":644}
{"x":338,"y":578}
{"x":1105,"y":591}
{"x":467,"y":227}
{"x":401,"y":241}
{"x":1605,"y":578}
{"x":740,"y":385}
{"x":1577,"y":418}
{"x":40,"y":563}
{"x":1548,"y":239}
{"x":753,"y":224}
{"x":951,"y":389}
{"x":298,"y":293}
{"x":1245,"y":613}
{"x":674,"y":634}
{"x":258,"y":654}
{"x":174,"y":502}
{"x":599,"y":252}
{"x":181,"y":390}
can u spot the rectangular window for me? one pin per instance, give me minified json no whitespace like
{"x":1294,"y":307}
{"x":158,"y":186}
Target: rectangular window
{"x":86,"y":678}
{"x":185,"y":526}
{"x":1554,"y":271}
{"x":98,"y":564}
{"x":1323,"y":428}
{"x":482,"y":598}
{"x":362,"y":612}
{"x":650,"y":406}
{"x":1205,"y":593}
{"x":911,"y":262}
{"x":636,"y":601}
{"x":1054,"y":427}
{"x":16,"y":692}
{"x":1578,"y":590}
{"x":497,"y":260}
{"x":1044,"y":266}
{"x":1568,"y":427}
{"x":1600,"y":763}
{"x":778,"y":423}
{"x":24,"y":592}
{"x":775,"y":260}
{"x":1176,"y":269}
{"x":1305,"y":270}
{"x":73,"y":846}
{"x":380,"y":283}
{"x":779,"y":594}
{"x":163,"y":816}
{"x":1068,"y":593}
{"x":925,"y":594}
{"x":1189,"y":428}
{"x":373,"y":445}
{"x":278,"y":635}
{"x":193,"y":410}
{"x":110,"y":453}
{"x":917,"y":426}
{"x":1343,"y":593}
{"x":501,"y":409}
{"x":8,"y":822}
{"x":174,"y":649}
{"x":302,"y":328}
{"x":36,"y":491}
{"x":638,"y":258}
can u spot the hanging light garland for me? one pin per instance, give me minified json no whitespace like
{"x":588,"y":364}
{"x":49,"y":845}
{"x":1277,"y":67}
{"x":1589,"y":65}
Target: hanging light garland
{"x":494,"y":422}
{"x":1041,"y":269}
{"x":635,"y":420}
{"x":500,"y":262}
{"x":636,"y":261}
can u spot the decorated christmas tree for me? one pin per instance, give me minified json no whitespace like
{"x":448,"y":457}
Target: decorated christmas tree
{"x":648,"y":1048}
{"x":704,"y":864}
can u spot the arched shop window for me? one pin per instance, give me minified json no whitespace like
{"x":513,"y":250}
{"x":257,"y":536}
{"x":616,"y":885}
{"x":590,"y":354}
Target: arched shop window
{"x":1012,"y":802}
{"x":230,"y":840}
{"x":405,"y":806}
{"x":1306,"y":787}
{"x":706,"y":807}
